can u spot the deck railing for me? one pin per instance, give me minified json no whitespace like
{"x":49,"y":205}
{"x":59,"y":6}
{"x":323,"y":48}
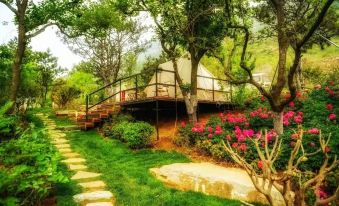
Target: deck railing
{"x":134,"y":84}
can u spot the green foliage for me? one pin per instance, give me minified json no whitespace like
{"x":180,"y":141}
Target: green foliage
{"x":137,"y":135}
{"x":29,"y":168}
{"x":8,"y":123}
{"x":63,"y":94}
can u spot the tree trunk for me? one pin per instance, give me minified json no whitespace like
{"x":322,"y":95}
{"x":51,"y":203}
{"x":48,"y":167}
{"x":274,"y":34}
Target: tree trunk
{"x":278,"y":122}
{"x":16,"y":67}
{"x":193,"y":100}
{"x":298,"y":77}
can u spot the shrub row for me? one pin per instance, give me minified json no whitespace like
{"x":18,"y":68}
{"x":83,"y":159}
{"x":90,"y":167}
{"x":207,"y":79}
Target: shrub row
{"x":136,"y":134}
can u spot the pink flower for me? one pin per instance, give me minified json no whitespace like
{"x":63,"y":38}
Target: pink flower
{"x":298,"y":119}
{"x":321,"y":193}
{"x":228,"y":137}
{"x":210,"y":136}
{"x":262,"y":98}
{"x":263,"y":116}
{"x":317,"y":86}
{"x":300,"y":113}
{"x":235,"y":145}
{"x":183,"y":124}
{"x":313,"y":131}
{"x":332,"y":116}
{"x":286,"y":122}
{"x":329,"y":107}
{"x":218,"y":127}
{"x":218,"y":132}
{"x":194,"y":129}
{"x":260,"y":164}
{"x":210,"y":129}
{"x":248,"y":132}
{"x":247,"y":124}
{"x":327,"y":89}
{"x":243,"y":147}
{"x":312,"y":144}
{"x":291,"y":104}
{"x":331,"y":93}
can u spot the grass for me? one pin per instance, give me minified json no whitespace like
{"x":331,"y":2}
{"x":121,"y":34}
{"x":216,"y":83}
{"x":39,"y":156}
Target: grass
{"x":126,"y":172}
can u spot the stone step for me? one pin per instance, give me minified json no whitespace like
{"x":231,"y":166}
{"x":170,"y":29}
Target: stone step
{"x":77,"y":167}
{"x":93,"y":185}
{"x":56,"y":135}
{"x":82,"y":175}
{"x":93,"y":197}
{"x":65,"y":150}
{"x":62,"y":146}
{"x":100,"y":204}
{"x":73,"y":160}
{"x":71,"y":155}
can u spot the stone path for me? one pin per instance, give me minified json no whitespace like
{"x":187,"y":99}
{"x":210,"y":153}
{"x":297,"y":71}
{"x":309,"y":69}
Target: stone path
{"x":94,"y":193}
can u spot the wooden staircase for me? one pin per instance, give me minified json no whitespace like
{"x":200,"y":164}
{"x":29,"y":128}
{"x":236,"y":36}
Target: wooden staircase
{"x":97,"y":115}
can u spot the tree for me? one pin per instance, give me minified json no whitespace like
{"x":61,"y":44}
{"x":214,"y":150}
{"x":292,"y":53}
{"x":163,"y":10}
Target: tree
{"x":294,"y":23}
{"x":195,"y":26}
{"x":32,"y":18}
{"x":288,"y":181}
{"x":108,"y":40}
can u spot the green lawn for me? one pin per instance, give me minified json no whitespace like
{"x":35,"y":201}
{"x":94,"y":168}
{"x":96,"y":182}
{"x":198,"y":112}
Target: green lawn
{"x":126,"y":172}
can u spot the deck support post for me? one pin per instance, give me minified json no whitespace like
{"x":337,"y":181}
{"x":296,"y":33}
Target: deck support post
{"x":136,"y":87}
{"x":157,"y":117}
{"x":213,"y":88}
{"x":87,"y":102}
{"x":156,"y":82}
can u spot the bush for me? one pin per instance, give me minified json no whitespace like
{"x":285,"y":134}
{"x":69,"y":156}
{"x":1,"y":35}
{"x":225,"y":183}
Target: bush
{"x":9,"y":127}
{"x":137,"y":135}
{"x":29,"y":168}
{"x":63,"y":94}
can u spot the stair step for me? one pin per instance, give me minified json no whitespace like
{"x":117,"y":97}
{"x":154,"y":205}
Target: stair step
{"x":93,"y":196}
{"x":60,"y":141}
{"x":71,"y":155}
{"x":65,"y":150}
{"x":62,"y":146}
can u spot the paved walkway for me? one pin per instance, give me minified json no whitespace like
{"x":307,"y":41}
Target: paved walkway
{"x":94,"y":193}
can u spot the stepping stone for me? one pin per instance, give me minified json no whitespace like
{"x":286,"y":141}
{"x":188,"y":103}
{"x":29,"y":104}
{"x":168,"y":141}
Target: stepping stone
{"x":93,"y":196}
{"x":81,"y":175}
{"x":60,"y":141}
{"x":74,"y":160}
{"x":62,"y":146}
{"x":57,"y":135}
{"x":65,"y":150}
{"x":77,"y":167}
{"x":71,"y":155}
{"x":93,"y":185}
{"x":100,"y":204}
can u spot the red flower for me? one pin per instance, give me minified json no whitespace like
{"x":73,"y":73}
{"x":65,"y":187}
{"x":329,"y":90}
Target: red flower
{"x":299,"y":94}
{"x":218,"y":127}
{"x":262,"y":98}
{"x":247,"y":124}
{"x":194,"y":129}
{"x":235,"y":145}
{"x":327,"y":149}
{"x":243,"y":147}
{"x":327,"y":89}
{"x":313,"y":131}
{"x":332,"y":116}
{"x":210,"y":136}
{"x":183,"y":124}
{"x":218,"y":132}
{"x":312,"y":144}
{"x":291,"y":104}
{"x":260,"y":164}
{"x":286,"y":122}
{"x":300,"y":113}
{"x":331,"y":83}
{"x":321,"y":193}
{"x":329,"y":107}
{"x":228,"y":137}
{"x":210,"y":129}
{"x":331,"y":93}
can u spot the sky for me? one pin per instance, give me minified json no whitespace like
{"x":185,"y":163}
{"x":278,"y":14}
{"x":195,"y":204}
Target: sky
{"x":50,"y":40}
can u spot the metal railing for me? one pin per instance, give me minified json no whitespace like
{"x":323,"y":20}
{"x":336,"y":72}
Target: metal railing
{"x":137,"y":87}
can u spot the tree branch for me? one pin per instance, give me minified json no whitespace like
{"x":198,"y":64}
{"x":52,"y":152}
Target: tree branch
{"x":10,"y":7}
{"x":39,"y":30}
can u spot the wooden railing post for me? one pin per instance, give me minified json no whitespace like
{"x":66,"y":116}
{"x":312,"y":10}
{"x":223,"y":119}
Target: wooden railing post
{"x":120,"y":90}
{"x":213,"y":88}
{"x":87,"y":102}
{"x":175,"y":85}
{"x":156,"y":82}
{"x":136,"y":87}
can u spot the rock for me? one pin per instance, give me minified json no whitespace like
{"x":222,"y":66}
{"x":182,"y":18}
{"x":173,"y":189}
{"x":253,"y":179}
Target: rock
{"x":93,"y":185}
{"x":74,"y":161}
{"x":93,"y":196}
{"x":81,"y":175}
{"x":77,"y":167}
{"x":231,"y":183}
{"x":100,"y":204}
